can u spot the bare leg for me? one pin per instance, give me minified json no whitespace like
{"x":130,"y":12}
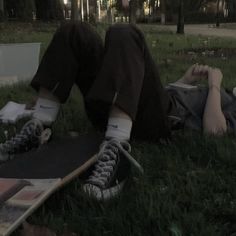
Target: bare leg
{"x":213,"y":118}
{"x":117,"y":112}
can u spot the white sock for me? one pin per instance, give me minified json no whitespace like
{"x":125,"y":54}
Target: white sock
{"x":119,"y":128}
{"x":46,"y":111}
{"x":234,"y":91}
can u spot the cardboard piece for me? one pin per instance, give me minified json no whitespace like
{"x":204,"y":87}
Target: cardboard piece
{"x":13,"y":111}
{"x":19,"y":61}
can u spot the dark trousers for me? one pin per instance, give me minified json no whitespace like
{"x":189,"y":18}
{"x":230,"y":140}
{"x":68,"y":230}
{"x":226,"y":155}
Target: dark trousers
{"x":121,"y":73}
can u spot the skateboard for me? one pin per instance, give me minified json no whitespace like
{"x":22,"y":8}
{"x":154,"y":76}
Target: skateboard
{"x":30,"y":178}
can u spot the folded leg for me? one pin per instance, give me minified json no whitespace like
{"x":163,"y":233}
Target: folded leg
{"x":129,"y":79}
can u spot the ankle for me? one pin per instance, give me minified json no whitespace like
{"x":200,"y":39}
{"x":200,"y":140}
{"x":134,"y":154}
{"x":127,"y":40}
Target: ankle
{"x":46,"y":111}
{"x":119,"y":128}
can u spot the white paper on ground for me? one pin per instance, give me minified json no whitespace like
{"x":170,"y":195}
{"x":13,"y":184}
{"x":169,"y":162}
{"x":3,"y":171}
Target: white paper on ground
{"x":13,"y":111}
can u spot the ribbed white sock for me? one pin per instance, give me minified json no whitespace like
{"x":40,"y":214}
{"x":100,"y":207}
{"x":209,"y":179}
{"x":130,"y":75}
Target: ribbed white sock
{"x":234,"y":91}
{"x":119,"y":128}
{"x":46,"y":111}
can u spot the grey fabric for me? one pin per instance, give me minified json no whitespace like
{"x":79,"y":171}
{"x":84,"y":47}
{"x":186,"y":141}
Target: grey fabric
{"x":189,"y":104}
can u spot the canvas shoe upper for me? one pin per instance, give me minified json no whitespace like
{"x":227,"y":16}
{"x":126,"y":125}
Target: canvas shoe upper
{"x":31,"y":136}
{"x":111,"y":170}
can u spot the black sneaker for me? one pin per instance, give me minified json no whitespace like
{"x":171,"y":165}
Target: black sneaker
{"x":31,"y":136}
{"x":111,"y":170}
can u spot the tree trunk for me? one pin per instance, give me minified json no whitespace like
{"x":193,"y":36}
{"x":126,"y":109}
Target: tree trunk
{"x":87,"y":10}
{"x":163,"y":11}
{"x":1,"y":10}
{"x":49,"y":10}
{"x":82,"y":9}
{"x":98,"y":11}
{"x":149,"y":9}
{"x":109,"y":12}
{"x":180,"y":26}
{"x":153,"y":10}
{"x":56,"y":10}
{"x":74,"y":10}
{"x":218,"y":14}
{"x":132,"y":11}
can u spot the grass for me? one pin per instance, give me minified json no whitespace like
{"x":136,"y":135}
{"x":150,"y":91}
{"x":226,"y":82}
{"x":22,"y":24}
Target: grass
{"x":189,"y":186}
{"x":228,"y":26}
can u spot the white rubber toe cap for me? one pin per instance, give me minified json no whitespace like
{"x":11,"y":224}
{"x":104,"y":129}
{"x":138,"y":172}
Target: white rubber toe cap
{"x":103,"y":194}
{"x":93,"y":191}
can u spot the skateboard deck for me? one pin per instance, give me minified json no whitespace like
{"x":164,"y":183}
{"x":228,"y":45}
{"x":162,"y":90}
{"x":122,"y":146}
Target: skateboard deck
{"x":30,"y":178}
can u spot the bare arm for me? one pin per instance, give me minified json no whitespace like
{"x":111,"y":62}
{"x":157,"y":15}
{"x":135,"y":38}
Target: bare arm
{"x":214,"y":121}
{"x":194,"y":74}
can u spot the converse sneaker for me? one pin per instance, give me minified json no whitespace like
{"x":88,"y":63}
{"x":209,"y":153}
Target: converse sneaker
{"x":111,"y":170}
{"x":31,"y":136}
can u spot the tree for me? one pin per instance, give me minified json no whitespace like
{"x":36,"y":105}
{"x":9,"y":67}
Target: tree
{"x":74,"y":10}
{"x":87,"y":10}
{"x":180,"y":26}
{"x":231,"y":6}
{"x":49,"y":10}
{"x":81,"y":10}
{"x":25,"y":10}
{"x":218,"y":13}
{"x":189,"y":5}
{"x":1,"y":10}
{"x":97,"y":10}
{"x":129,"y":8}
{"x":194,"y":5}
{"x":132,"y":11}
{"x":163,"y":11}
{"x":56,"y":10}
{"x":20,"y":9}
{"x":123,"y":10}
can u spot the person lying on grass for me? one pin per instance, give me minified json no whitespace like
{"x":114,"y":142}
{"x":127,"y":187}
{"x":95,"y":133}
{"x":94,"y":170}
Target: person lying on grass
{"x":123,"y":98}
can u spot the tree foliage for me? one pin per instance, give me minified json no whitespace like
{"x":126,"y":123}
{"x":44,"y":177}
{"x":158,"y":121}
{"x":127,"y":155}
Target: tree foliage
{"x":47,"y":10}
{"x":20,"y":9}
{"x":231,"y":5}
{"x":189,"y":5}
{"x":119,"y":7}
{"x":44,"y":9}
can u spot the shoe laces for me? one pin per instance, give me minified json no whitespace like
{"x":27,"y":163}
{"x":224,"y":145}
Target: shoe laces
{"x":30,"y":133}
{"x":107,"y":160}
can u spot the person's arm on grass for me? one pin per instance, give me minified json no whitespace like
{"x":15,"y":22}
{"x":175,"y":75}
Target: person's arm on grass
{"x":214,"y":121}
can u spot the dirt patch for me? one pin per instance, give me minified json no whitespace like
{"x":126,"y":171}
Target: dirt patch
{"x":223,"y":53}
